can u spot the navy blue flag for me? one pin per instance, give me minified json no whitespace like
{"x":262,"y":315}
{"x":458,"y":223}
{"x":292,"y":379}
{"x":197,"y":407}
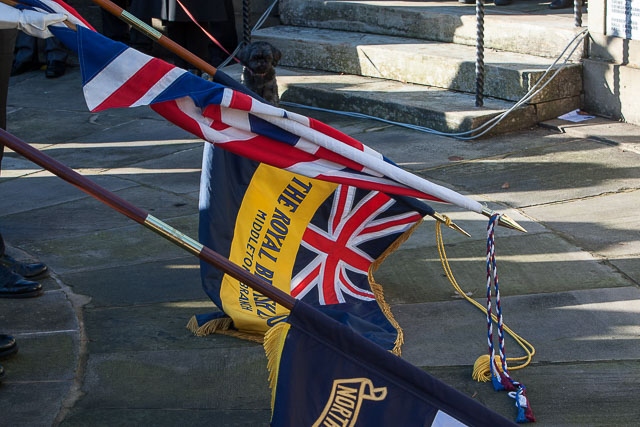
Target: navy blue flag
{"x":323,"y":374}
{"x":315,"y":240}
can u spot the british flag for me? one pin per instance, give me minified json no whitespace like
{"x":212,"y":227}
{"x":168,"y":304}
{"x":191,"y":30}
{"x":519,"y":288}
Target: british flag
{"x":115,"y":76}
{"x":339,"y":247}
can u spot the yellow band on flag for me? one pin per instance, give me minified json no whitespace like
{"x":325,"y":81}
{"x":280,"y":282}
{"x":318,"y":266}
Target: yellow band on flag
{"x":275,"y":211}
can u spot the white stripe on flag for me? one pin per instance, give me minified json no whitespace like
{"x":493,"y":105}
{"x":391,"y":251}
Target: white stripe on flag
{"x":113,"y":76}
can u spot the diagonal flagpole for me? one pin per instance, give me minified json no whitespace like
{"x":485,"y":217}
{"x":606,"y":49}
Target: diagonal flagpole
{"x":157,"y":36}
{"x":141,"y":217}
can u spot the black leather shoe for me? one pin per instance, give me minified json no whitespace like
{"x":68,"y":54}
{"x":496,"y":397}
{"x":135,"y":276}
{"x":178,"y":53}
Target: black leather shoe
{"x":28,"y":270}
{"x":23,"y":67}
{"x":561,"y":4}
{"x":13,"y":285}
{"x":8,"y":345}
{"x":55,"y":69}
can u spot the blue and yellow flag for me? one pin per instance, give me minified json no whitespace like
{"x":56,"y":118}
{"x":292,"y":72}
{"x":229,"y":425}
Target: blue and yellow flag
{"x":324,"y":374}
{"x":312,"y":239}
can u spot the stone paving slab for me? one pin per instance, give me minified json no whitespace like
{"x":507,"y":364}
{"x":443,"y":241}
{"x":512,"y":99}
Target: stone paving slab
{"x":45,"y":312}
{"x":168,"y":417}
{"x":222,"y":379}
{"x":32,"y":404}
{"x":571,"y":170}
{"x":157,"y":281}
{"x":72,"y":218}
{"x":573,"y":394}
{"x":152,"y":327}
{"x":42,"y":190}
{"x":122,"y":246}
{"x":585,"y":325}
{"x":549,"y":264}
{"x":606,"y":225}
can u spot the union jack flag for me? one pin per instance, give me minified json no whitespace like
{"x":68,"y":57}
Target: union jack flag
{"x":344,"y":243}
{"x":115,"y":76}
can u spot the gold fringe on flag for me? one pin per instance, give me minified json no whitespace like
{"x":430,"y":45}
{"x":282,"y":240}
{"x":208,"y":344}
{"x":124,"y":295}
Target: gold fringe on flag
{"x":273,"y":344}
{"x":377,"y":288}
{"x":223,"y":326}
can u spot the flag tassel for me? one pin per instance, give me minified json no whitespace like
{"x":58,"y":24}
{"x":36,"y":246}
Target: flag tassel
{"x":274,"y":340}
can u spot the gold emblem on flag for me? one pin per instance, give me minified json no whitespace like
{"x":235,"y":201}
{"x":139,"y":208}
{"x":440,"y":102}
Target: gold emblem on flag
{"x":345,"y":401}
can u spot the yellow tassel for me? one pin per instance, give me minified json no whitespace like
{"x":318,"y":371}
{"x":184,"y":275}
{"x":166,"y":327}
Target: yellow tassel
{"x":482,"y":369}
{"x":223,"y":326}
{"x":273,"y":344}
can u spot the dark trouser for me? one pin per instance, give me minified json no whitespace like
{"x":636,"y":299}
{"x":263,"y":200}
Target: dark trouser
{"x":7,"y":41}
{"x":27,"y":49}
{"x":118,"y":30}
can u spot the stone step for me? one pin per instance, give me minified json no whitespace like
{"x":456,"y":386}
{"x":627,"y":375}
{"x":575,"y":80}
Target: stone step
{"x":435,"y":108}
{"x":508,"y":75}
{"x":522,"y":27}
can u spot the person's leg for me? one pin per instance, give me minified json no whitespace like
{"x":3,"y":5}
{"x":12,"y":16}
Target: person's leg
{"x":12,"y":285}
{"x":56,"y":58}
{"x":177,"y":32}
{"x":7,"y":43}
{"x":226,"y":34}
{"x":26,"y":54}
{"x":112,"y":26}
{"x":144,"y":10}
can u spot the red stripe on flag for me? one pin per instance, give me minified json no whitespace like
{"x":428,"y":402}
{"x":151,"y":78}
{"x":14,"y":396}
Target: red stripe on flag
{"x":170,"y":111}
{"x":388,"y":224}
{"x":354,"y":290}
{"x":214,"y":112}
{"x":241,"y":101}
{"x":268,"y":151}
{"x":303,"y":284}
{"x":340,"y":203}
{"x":377,"y":186}
{"x":326,"y":154}
{"x":137,"y":85}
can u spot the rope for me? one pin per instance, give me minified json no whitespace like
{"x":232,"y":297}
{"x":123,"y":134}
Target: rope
{"x":500,"y":374}
{"x":481,"y":370}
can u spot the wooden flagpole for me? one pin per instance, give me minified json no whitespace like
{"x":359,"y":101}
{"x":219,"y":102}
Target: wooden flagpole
{"x":156,"y":35}
{"x":141,"y":217}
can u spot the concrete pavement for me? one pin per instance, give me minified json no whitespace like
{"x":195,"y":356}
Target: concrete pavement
{"x":107,"y":343}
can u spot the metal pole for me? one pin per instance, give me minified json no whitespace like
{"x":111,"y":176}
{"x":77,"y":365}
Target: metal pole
{"x":577,"y":12}
{"x":479,"y":52}
{"x":246,"y":18}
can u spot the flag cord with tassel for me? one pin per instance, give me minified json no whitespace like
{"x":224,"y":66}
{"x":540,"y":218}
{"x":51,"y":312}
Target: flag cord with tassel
{"x":486,"y":366}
